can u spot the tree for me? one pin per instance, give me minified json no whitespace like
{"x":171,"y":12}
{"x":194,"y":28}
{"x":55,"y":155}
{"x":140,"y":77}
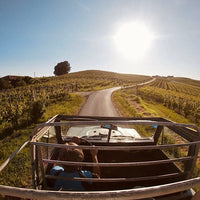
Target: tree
{"x":62,"y":68}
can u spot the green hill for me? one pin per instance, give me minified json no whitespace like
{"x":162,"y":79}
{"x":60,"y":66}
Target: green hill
{"x":58,"y":95}
{"x":187,"y":81}
{"x":98,"y":74}
{"x":97,"y":77}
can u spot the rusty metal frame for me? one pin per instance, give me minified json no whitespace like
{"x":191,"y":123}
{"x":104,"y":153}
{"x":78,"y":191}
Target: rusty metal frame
{"x":39,"y":131}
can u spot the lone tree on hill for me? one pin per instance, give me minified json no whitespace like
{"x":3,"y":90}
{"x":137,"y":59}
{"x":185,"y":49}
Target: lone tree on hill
{"x":62,"y":68}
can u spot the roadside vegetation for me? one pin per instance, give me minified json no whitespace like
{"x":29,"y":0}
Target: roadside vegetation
{"x":164,"y":97}
{"x":18,"y":172}
{"x":171,"y":98}
{"x":23,"y":106}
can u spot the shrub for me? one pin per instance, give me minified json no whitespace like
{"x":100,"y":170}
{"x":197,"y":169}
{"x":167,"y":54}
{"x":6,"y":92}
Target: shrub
{"x":37,"y":111}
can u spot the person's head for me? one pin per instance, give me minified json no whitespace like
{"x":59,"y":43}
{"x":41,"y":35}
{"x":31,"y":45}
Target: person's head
{"x":71,"y":154}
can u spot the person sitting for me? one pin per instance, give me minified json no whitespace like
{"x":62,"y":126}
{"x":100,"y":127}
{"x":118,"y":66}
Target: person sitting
{"x":74,"y":155}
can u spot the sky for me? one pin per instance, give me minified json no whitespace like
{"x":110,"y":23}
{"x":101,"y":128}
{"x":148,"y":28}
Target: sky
{"x":36,"y":35}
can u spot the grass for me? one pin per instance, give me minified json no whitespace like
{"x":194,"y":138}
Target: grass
{"x":126,"y":100}
{"x":70,"y":107}
{"x":123,"y":105}
{"x":187,"y":81}
{"x":18,"y":172}
{"x":162,"y":111}
{"x":131,"y":105}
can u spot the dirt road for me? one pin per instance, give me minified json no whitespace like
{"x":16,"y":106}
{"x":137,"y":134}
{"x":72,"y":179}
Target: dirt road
{"x":99,"y":104}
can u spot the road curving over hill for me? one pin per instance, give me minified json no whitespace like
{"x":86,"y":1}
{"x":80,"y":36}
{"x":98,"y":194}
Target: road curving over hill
{"x":99,"y":103}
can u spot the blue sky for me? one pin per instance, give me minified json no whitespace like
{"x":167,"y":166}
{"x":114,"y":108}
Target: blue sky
{"x":36,"y":35}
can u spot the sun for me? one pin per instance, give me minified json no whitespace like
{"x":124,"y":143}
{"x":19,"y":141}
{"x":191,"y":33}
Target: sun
{"x":133,"y":40}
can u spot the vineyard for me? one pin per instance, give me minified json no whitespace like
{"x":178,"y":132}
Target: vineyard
{"x":21,"y":106}
{"x":182,"y":98}
{"x":169,"y":98}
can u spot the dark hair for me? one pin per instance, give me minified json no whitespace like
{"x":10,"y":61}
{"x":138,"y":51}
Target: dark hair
{"x":71,"y":154}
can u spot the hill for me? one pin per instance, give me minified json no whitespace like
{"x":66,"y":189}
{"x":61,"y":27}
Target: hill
{"x":95,"y":77}
{"x":179,"y":99}
{"x":108,"y":75}
{"x":187,"y":81}
{"x":47,"y":96}
{"x":58,"y":95}
{"x":20,"y":104}
{"x":85,"y":80}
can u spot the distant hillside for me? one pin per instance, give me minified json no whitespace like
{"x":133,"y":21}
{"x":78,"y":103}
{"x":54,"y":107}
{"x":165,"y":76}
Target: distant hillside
{"x":12,"y":81}
{"x":91,"y":78}
{"x":98,"y":74}
{"x":8,"y":82}
{"x":187,"y":81}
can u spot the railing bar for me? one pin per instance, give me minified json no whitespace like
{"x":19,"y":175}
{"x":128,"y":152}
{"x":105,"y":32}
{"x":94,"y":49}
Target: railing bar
{"x":149,"y":147}
{"x":133,"y":122}
{"x":38,"y":131}
{"x":115,"y":179}
{"x":137,"y":193}
{"x":117,"y":164}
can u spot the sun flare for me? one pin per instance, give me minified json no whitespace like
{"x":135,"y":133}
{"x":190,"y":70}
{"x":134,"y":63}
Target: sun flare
{"x":133,"y":40}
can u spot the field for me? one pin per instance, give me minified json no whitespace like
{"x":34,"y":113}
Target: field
{"x":171,"y":98}
{"x":182,"y":98}
{"x":175,"y":98}
{"x":19,"y":105}
{"x":25,"y":106}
